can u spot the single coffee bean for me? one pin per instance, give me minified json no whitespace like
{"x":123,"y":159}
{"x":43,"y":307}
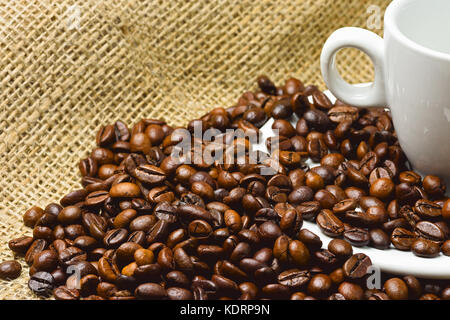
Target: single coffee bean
{"x":357,"y":236}
{"x":36,"y":247}
{"x":434,"y":186}
{"x":425,"y":248}
{"x":351,"y":291}
{"x":319,"y":286}
{"x":294,"y":278}
{"x":396,"y":289}
{"x":310,"y":239}
{"x":379,"y":239}
{"x":356,"y":266}
{"x":430,"y":231}
{"x":329,"y":223}
{"x":41,"y":283}
{"x":427,"y":209}
{"x":446,"y":248}
{"x":32,"y":215}
{"x":20,"y":245}
{"x":343,"y":113}
{"x":125,"y":190}
{"x":341,"y":248}
{"x":150,"y":291}
{"x":149,"y":174}
{"x":402,"y":238}
{"x":10,"y":269}
{"x":382,"y":188}
{"x":64,"y":293}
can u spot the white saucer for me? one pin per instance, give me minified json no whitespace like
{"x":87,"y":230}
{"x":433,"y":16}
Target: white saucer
{"x":391,"y":260}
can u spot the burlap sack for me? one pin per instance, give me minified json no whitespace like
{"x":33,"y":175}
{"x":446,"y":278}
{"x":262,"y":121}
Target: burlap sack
{"x":66,"y":67}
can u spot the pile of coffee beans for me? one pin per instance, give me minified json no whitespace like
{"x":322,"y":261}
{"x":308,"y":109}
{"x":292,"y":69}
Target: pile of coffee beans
{"x":149,"y":225}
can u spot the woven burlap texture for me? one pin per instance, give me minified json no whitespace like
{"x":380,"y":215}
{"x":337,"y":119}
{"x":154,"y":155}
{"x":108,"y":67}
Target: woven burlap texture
{"x":67,"y":67}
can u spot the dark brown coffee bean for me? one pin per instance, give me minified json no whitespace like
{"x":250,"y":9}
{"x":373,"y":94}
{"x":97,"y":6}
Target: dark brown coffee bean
{"x":294,"y":278}
{"x":149,"y":174}
{"x":341,"y":248}
{"x":317,"y":149}
{"x":446,"y":248}
{"x":343,"y":206}
{"x":73,"y":197}
{"x":329,"y":223}
{"x":64,"y":293}
{"x":41,"y":283}
{"x":10,"y":270}
{"x":309,"y":209}
{"x":20,"y":245}
{"x":88,"y":167}
{"x":425,"y":248}
{"x":32,"y":215}
{"x":36,"y":247}
{"x":266,"y":85}
{"x":319,"y":286}
{"x":382,"y":188}
{"x":379,"y":239}
{"x":357,"y":266}
{"x":434,"y":186}
{"x":396,"y":289}
{"x":357,"y":237}
{"x":316,"y":120}
{"x":430,"y":231}
{"x":427,"y":209}
{"x":115,"y":237}
{"x":150,"y":291}
{"x":46,"y":260}
{"x":343,"y":113}
{"x":402,"y":238}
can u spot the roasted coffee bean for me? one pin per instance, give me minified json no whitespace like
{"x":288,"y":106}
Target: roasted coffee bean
{"x":357,"y":237}
{"x":41,"y":283}
{"x":69,"y":215}
{"x":266,"y":85}
{"x":396,"y":289}
{"x":150,"y":291}
{"x":124,"y":190}
{"x":425,"y":248}
{"x":341,"y":248}
{"x":32,"y":215}
{"x":316,"y":120}
{"x":357,"y":266}
{"x":46,"y":260}
{"x":149,"y":174}
{"x":430,"y":231}
{"x":319,"y":285}
{"x":427,"y":209}
{"x":115,"y":237}
{"x":310,"y":239}
{"x":10,"y":269}
{"x":20,"y":245}
{"x":434,"y":186}
{"x":343,"y":113}
{"x":329,"y":223}
{"x":379,"y":239}
{"x":64,"y":293}
{"x":317,"y":149}
{"x":402,"y":238}
{"x":294,"y":278}
{"x":36,"y":247}
{"x":446,"y":248}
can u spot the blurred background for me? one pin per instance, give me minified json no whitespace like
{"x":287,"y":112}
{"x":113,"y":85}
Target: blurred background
{"x":68,"y":67}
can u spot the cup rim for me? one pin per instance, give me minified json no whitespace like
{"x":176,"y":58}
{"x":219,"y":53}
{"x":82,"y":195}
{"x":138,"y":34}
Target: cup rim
{"x":390,"y":23}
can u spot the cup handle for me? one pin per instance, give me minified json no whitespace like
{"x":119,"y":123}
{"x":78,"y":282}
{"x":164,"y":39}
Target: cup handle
{"x":370,"y":43}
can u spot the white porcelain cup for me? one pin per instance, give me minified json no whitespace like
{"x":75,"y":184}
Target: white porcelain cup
{"x":412,"y":78}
